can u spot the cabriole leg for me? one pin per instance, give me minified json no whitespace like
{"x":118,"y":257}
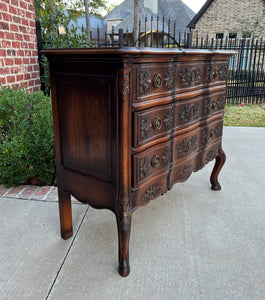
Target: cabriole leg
{"x":219,"y":162}
{"x":65,"y":211}
{"x":124,"y":229}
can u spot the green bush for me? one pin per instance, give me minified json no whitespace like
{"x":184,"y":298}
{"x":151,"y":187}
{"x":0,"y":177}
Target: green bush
{"x":26,"y":138}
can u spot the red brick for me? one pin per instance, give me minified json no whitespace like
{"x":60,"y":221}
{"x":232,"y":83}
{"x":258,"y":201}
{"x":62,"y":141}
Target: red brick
{"x":2,"y":79}
{"x":16,"y":44}
{"x":34,"y":52}
{"x":30,"y":69}
{"x":53,"y":195}
{"x":4,"y":71}
{"x":25,"y":61}
{"x":30,"y":7}
{"x":11,"y":52}
{"x":22,"y":29}
{"x":25,"y":22}
{"x":24,"y":45}
{"x":14,"y":2}
{"x":17,"y":19}
{"x":9,"y":61}
{"x":6,"y":17}
{"x":31,"y":83}
{"x":2,"y":52}
{"x":13,"y":27}
{"x":19,"y":77}
{"x":32,"y":23}
{"x":21,"y":12}
{"x":34,"y":75}
{"x":9,"y":36}
{"x":27,"y":53}
{"x":13,"y":70}
{"x":3,"y":188}
{"x":12,"y":9}
{"x":29,"y":192}
{"x":26,"y":76}
{"x":29,"y":15}
{"x":26,"y":37}
{"x":23,"y":4}
{"x":4,"y":26}
{"x":20,"y":52}
{"x":18,"y":37}
{"x":2,"y":34}
{"x":36,"y":68}
{"x":3,"y":7}
{"x":10,"y":79}
{"x":13,"y":193}
{"x":18,"y":61}
{"x":42,"y":193}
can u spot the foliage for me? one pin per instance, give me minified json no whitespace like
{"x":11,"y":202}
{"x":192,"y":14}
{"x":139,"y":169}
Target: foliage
{"x":26,"y":138}
{"x":251,"y":115}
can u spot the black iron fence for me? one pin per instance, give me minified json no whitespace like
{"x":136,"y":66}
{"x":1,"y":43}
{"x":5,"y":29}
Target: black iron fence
{"x":246,"y":81}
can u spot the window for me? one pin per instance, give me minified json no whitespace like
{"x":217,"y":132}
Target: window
{"x":232,"y":35}
{"x":246,"y":34}
{"x":219,"y":36}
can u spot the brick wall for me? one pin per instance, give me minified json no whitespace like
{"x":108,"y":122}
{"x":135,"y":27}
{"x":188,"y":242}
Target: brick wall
{"x":230,"y":16}
{"x":19,"y":65}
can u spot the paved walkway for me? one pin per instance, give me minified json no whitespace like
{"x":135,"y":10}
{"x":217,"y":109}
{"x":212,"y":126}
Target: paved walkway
{"x":191,"y":243}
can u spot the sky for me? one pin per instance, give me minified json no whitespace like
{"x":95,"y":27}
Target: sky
{"x":195,"y":5}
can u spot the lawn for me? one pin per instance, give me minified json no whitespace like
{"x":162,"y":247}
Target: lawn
{"x":251,"y":115}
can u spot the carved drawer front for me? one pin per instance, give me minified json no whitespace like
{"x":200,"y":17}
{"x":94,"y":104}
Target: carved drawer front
{"x":211,"y":133}
{"x":151,"y":162}
{"x":189,"y":75}
{"x":154,"y":79}
{"x":187,"y":112}
{"x":152,"y":123}
{"x":214,"y":103}
{"x":216,"y":72}
{"x":186,"y":145}
{"x":150,"y":190}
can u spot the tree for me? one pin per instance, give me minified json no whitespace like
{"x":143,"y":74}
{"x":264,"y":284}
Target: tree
{"x":136,"y":18}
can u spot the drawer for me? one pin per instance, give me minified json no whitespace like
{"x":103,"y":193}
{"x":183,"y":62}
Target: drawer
{"x":152,"y":123}
{"x":211,"y":133}
{"x":151,"y":162}
{"x":154,"y":80}
{"x":149,"y":190}
{"x":214,"y":103}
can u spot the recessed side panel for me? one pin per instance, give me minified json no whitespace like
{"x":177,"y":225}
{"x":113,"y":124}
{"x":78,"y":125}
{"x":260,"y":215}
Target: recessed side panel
{"x":84,"y":107}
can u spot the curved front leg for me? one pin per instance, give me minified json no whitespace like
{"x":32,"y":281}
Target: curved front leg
{"x":219,"y":162}
{"x":124,"y":229}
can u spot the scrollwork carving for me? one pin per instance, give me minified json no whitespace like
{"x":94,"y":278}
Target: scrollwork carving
{"x":188,"y":113}
{"x":184,"y":173}
{"x":167,"y":156}
{"x":190,"y":77}
{"x":124,"y":82}
{"x":169,"y":79}
{"x":187,"y":146}
{"x":169,"y":119}
{"x":145,"y":127}
{"x":144,"y":168}
{"x":216,"y":73}
{"x":144,"y":82}
{"x":151,"y":193}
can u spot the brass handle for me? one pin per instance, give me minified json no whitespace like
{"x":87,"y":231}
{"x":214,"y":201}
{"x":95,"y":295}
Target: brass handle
{"x":157,"y":81}
{"x":156,"y":161}
{"x":157,"y":123}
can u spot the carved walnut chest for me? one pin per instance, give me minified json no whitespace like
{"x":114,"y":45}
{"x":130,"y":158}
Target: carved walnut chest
{"x":129,"y":123}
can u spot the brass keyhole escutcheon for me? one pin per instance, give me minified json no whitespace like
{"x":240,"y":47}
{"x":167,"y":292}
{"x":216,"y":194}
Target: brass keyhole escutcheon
{"x":157,"y":123}
{"x":157,"y":81}
{"x":156,"y":161}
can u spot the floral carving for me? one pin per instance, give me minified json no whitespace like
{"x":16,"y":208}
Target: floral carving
{"x":183,"y":173}
{"x":215,"y":73}
{"x":169,"y":79}
{"x":124,"y":82}
{"x":188,"y":113}
{"x":191,"y":76}
{"x":151,"y":193}
{"x":167,"y":156}
{"x":168,"y":119}
{"x":144,"y":168}
{"x":215,"y":104}
{"x":145,"y":127}
{"x":187,"y":146}
{"x":144,"y":82}
{"x":212,"y":133}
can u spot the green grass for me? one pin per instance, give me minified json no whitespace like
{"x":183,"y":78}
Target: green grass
{"x":248,"y":115}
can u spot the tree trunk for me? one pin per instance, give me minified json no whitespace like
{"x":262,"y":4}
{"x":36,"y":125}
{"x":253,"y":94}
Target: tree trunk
{"x":136,"y":19}
{"x":87,"y":19}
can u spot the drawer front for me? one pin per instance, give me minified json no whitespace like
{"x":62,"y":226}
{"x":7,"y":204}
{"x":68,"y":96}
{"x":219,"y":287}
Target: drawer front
{"x":151,"y":162}
{"x":152,"y":123}
{"x":149,"y":190}
{"x":154,"y":80}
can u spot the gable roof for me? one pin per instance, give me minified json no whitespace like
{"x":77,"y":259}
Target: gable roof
{"x":175,"y":10}
{"x":200,"y":13}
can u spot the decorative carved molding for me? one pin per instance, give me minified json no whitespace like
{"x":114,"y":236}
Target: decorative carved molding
{"x":167,"y":156}
{"x":212,"y":105}
{"x":187,"y":146}
{"x":169,"y":78}
{"x":190,"y":77}
{"x":169,"y":119}
{"x":124,"y":213}
{"x":145,"y":127}
{"x":183,"y":173}
{"x":144,"y":82}
{"x":216,"y":73}
{"x":124,"y":82}
{"x":188,"y":113}
{"x":209,"y":156}
{"x":151,"y":193}
{"x":143,"y":168}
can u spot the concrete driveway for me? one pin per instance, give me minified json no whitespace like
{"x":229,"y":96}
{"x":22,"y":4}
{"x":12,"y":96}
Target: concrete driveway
{"x":191,"y":243}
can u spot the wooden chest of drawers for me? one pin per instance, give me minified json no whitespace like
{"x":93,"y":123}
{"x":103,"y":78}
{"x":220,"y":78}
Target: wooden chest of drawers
{"x":129,"y":123}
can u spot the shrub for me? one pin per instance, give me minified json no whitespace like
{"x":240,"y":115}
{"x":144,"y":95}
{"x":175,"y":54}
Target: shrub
{"x":26,"y":138}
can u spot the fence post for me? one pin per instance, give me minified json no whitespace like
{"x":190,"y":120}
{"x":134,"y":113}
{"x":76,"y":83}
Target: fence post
{"x":121,"y":42}
{"x":189,"y":40}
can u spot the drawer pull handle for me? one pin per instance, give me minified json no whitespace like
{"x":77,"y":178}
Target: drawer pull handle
{"x":156,"y":161}
{"x":157,"y":81}
{"x":157,"y":123}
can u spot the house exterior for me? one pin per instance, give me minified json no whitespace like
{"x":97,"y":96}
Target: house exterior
{"x":19,"y":65}
{"x":229,"y":19}
{"x":122,"y":16}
